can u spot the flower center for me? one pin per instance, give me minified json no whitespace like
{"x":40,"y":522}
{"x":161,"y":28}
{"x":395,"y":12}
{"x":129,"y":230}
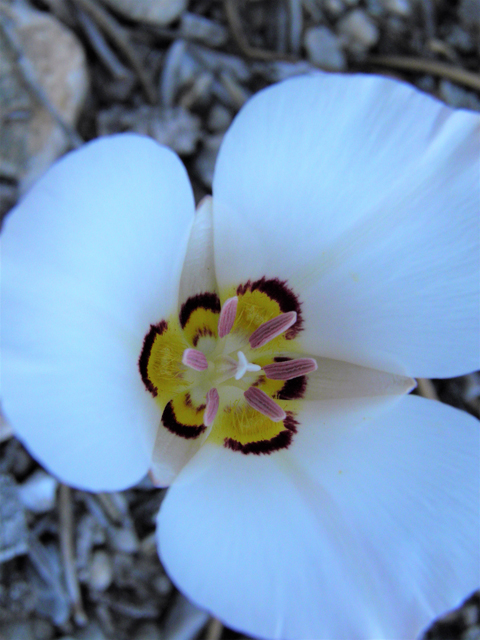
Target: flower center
{"x":230,"y":368}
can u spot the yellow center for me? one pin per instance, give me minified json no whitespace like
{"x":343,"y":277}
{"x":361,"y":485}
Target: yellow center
{"x":181,"y":390}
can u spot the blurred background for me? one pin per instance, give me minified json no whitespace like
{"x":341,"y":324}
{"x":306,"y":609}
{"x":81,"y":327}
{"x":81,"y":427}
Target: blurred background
{"x":84,"y":566}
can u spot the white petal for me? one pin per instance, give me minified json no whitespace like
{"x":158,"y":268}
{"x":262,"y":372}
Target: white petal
{"x":363,"y":194}
{"x":171,"y":453}
{"x":335,"y":379}
{"x":366,"y":528}
{"x":198,"y":273}
{"x":90,"y":258}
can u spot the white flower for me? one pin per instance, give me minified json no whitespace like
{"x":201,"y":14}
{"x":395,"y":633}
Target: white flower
{"x":345,"y":216}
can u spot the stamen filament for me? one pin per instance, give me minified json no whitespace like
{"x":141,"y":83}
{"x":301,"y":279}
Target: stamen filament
{"x":260,"y":401}
{"x":290,"y":368}
{"x":213,"y":401}
{"x":195,"y":359}
{"x":227,"y":316}
{"x":271,"y":329}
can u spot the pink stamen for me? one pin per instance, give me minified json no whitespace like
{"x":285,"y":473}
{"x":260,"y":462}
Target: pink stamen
{"x":227,"y":316}
{"x":272,"y":328}
{"x":290,"y":369}
{"x":260,"y":401}
{"x":195,"y":359}
{"x":211,"y":409}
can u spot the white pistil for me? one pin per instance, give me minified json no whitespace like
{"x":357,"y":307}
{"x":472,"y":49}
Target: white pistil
{"x":227,"y":316}
{"x":244,"y":366}
{"x":290,"y":368}
{"x":260,"y":401}
{"x":271,"y":329}
{"x":195,"y":359}
{"x":213,"y":401}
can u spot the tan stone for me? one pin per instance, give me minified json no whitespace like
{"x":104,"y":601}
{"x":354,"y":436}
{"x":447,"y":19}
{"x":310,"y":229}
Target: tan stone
{"x":30,"y":139}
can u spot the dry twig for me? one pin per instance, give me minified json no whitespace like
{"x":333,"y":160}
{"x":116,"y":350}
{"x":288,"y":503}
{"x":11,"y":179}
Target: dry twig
{"x":118,"y":35}
{"x":68,"y":555}
{"x":426,"y":389}
{"x":214,"y":629}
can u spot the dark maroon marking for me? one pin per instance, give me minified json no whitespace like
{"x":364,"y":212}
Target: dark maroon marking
{"x":293,"y":389}
{"x":203,"y":331}
{"x":279,"y":291}
{"x":189,"y":403}
{"x":155,"y":330}
{"x":171,"y":423}
{"x":205,"y":300}
{"x":265,"y":447}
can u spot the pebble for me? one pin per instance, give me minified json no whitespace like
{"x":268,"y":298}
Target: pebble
{"x":38,"y":492}
{"x":397,"y":7}
{"x":13,"y":528}
{"x":147,"y":631}
{"x":469,"y":14}
{"x":199,"y":28}
{"x":158,"y":12}
{"x":124,"y":540}
{"x":334,"y":8}
{"x":101,"y":571}
{"x":324,"y":49}
{"x":176,"y":128}
{"x":358,"y":31}
{"x":457,"y":97}
{"x":219,"y":118}
{"x":30,"y":139}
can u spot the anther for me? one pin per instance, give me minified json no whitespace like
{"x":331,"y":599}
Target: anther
{"x":211,"y":409}
{"x":195,"y":359}
{"x":290,"y":369}
{"x":271,"y":329}
{"x":227,"y":316}
{"x":260,"y":401}
{"x":244,"y":365}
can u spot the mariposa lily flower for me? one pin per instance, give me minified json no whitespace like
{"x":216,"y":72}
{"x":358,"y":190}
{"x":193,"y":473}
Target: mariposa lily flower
{"x":257,"y":355}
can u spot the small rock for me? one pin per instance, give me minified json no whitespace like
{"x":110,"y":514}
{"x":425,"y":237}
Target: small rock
{"x":163,"y":585}
{"x":124,"y":540}
{"x":460,"y":39}
{"x":38,"y":492}
{"x":42,"y":629}
{"x":280,"y":70}
{"x":176,"y":128}
{"x":30,"y":139}
{"x":202,"y":29}
{"x":334,"y":8}
{"x":219,"y":118}
{"x":91,"y":632}
{"x":397,"y":7}
{"x":324,"y":49}
{"x":358,"y":31}
{"x":457,"y":97}
{"x":469,"y":14}
{"x":13,"y":528}
{"x":147,"y":631}
{"x":159,"y":12}
{"x":101,"y":571}
{"x":17,"y":630}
